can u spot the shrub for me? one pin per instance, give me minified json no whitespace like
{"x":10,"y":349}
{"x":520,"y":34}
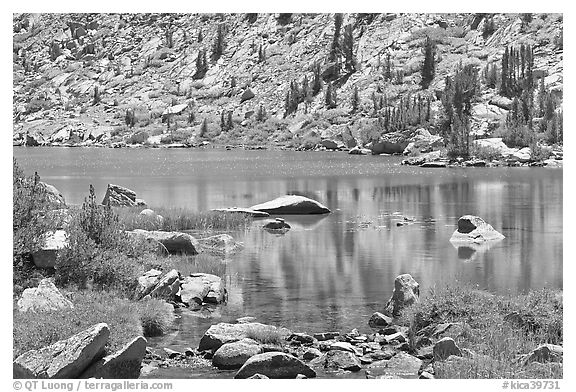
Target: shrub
{"x":156,"y":317}
{"x":483,"y":152}
{"x":497,"y":339}
{"x":138,"y":138}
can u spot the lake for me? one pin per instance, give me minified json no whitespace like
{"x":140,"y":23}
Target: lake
{"x":330,"y":273}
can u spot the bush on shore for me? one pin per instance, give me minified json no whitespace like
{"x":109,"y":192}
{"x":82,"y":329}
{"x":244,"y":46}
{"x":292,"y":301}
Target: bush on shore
{"x":499,"y":330}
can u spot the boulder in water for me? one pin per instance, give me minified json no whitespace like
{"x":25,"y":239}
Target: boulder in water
{"x":474,"y":229}
{"x":119,"y":196}
{"x":275,"y":365}
{"x":292,"y":205}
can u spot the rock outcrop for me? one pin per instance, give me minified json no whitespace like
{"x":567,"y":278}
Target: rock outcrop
{"x":474,"y":229}
{"x":406,"y":292}
{"x":53,"y":195}
{"x":64,"y":359}
{"x":44,"y":298}
{"x":292,"y":205}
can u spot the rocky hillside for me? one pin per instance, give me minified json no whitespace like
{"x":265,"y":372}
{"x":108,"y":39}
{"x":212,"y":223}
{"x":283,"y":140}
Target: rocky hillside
{"x":118,"y":79}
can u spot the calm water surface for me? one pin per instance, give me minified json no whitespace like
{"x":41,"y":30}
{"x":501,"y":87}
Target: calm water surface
{"x":332,"y":272}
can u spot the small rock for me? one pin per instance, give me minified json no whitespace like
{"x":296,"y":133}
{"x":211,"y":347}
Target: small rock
{"x":379,"y":320}
{"x":342,"y":360}
{"x":311,"y":353}
{"x":444,"y":348}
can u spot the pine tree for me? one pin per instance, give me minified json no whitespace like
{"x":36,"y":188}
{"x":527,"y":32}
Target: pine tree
{"x":230,"y":123}
{"x":355,"y":99}
{"x":223,"y":127}
{"x":218,"y":46}
{"x":317,"y":81}
{"x":261,"y":54}
{"x":203,"y":128}
{"x":201,"y":64}
{"x":428,"y":67}
{"x":200,"y":36}
{"x":348,"y":50}
{"x":330,"y":97}
{"x":388,"y":68}
{"x":335,"y":48}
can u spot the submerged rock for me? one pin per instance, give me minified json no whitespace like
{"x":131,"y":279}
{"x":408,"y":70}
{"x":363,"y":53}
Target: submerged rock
{"x":43,"y":298}
{"x":275,"y":365}
{"x":474,"y":229}
{"x":53,"y":243}
{"x":125,"y":363}
{"x":65,"y":358}
{"x":220,"y":243}
{"x":406,"y":292}
{"x":292,"y":205}
{"x":277,"y":226}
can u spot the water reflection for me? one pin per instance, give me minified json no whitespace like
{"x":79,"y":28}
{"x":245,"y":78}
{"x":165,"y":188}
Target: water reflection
{"x":331,"y":272}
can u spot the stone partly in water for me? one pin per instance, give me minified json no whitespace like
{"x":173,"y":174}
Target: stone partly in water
{"x":174,"y":242}
{"x":344,"y":360}
{"x":247,"y":211}
{"x":474,"y":229}
{"x":222,"y":333}
{"x":53,"y":243}
{"x":45,"y":297}
{"x":233,"y":355}
{"x":65,"y":358}
{"x":359,"y":151}
{"x":275,"y":365}
{"x":277,"y":226}
{"x":201,"y":288}
{"x":125,"y":363}
{"x":390,"y":143}
{"x":221,"y":244}
{"x":406,"y":292}
{"x":292,"y":205}
{"x":119,"y":196}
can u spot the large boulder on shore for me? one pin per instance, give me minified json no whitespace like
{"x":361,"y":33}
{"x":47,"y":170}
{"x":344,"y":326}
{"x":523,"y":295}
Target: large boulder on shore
{"x":200,"y":288}
{"x":119,"y":196}
{"x":147,"y":282}
{"x":545,"y":353}
{"x":222,"y":333}
{"x":66,"y":358}
{"x":167,"y":287}
{"x":422,"y":141}
{"x":173,"y":241}
{"x":53,"y":195}
{"x":474,"y":229}
{"x":406,"y":292}
{"x":401,"y":365}
{"x":43,"y":298}
{"x":292,"y":205}
{"x":125,"y":363}
{"x":275,"y":365}
{"x":233,"y":355}
{"x":390,"y":143}
{"x":53,"y":243}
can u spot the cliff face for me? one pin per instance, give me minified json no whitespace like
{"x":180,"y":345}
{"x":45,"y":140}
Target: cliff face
{"x":81,"y":78}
